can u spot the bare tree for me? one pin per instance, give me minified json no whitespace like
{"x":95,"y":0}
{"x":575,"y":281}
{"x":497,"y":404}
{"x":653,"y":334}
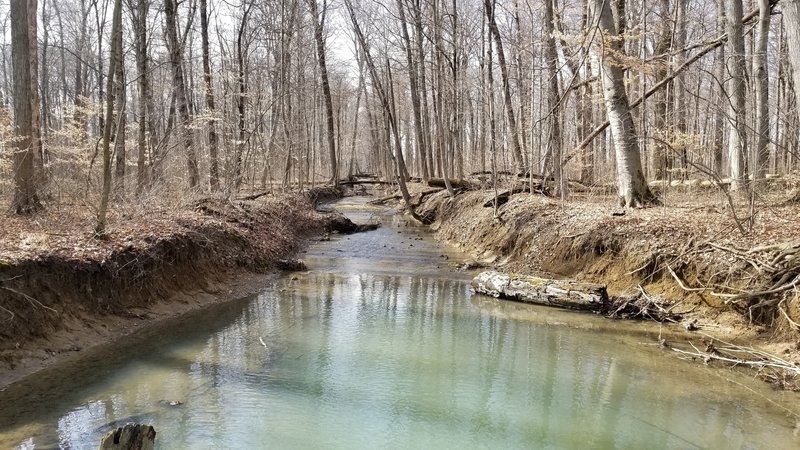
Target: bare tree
{"x":213,"y":140}
{"x":175,"y":47}
{"x":737,"y":129}
{"x":319,"y":37}
{"x":114,"y":60}
{"x":761,"y":76}
{"x":631,"y":184}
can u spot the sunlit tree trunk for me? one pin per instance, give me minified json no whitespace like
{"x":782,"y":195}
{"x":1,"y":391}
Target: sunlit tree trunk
{"x":737,"y":129}
{"x":631,"y":184}
{"x":761,"y":76}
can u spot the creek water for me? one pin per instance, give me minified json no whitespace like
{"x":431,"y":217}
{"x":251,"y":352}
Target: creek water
{"x":381,"y":345}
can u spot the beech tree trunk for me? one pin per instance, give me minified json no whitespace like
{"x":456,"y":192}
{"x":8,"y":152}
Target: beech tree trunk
{"x":761,"y":76}
{"x":737,"y":125}
{"x":631,"y":184}
{"x":26,"y":198}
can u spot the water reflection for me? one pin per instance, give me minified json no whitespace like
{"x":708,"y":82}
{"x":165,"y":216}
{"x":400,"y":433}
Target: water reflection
{"x":368,"y":358}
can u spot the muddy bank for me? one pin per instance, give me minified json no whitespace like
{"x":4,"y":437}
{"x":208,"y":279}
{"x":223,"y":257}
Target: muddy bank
{"x":65,"y":293}
{"x":691,"y":255}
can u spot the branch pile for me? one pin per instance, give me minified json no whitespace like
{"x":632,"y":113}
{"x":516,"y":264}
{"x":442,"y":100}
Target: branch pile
{"x":766,"y":279}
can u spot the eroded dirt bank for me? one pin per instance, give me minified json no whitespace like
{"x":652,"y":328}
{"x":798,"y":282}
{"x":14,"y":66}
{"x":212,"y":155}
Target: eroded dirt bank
{"x":62,"y":291}
{"x":736,"y":286}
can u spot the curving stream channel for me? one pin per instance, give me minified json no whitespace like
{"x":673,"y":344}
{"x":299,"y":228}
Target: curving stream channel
{"x":381,"y":345}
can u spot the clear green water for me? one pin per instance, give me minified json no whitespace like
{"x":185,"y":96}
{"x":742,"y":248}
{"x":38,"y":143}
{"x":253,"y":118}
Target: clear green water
{"x":376,"y":347}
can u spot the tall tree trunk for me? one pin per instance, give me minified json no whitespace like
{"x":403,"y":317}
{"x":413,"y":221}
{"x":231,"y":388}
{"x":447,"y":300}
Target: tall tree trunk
{"x":241,"y":98}
{"x":501,"y":59}
{"x":553,"y":98}
{"x":761,"y":76}
{"x":737,"y":130}
{"x":663,"y":154}
{"x":415,"y":93}
{"x":139,"y":15}
{"x":114,"y":60}
{"x":36,"y":106}
{"x":178,"y":83}
{"x":791,"y":22}
{"x":213,"y":140}
{"x":26,"y":199}
{"x":632,"y":186}
{"x":120,"y":125}
{"x":319,"y":37}
{"x":719,"y":89}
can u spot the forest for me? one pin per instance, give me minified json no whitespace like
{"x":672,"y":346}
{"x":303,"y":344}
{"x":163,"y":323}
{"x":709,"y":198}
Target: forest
{"x":133,"y":99}
{"x":165,"y":164}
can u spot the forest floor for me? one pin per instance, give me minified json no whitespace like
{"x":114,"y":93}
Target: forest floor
{"x":688,"y":257}
{"x":63,"y":290}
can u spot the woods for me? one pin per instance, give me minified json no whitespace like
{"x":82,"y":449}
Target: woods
{"x":271,"y":95}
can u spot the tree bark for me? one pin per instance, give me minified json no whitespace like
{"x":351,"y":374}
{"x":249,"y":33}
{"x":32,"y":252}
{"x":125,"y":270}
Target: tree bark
{"x":319,"y":37}
{"x":26,"y":198}
{"x":213,"y":140}
{"x":761,"y":76}
{"x":737,"y":127}
{"x":501,"y":59}
{"x":631,"y":184}
{"x":554,"y":136}
{"x":178,"y":83}
{"x":114,"y":60}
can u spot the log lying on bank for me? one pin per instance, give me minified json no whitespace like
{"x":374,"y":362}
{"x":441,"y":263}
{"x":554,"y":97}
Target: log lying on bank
{"x":129,"y":437}
{"x":568,"y":294}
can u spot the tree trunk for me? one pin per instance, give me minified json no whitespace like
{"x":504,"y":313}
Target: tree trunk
{"x":114,"y":60}
{"x":36,"y":106}
{"x":121,"y":123}
{"x":632,"y":186}
{"x":554,"y":136}
{"x":721,"y":101}
{"x":415,"y":93}
{"x":319,"y":37}
{"x":761,"y":76}
{"x":568,"y":294}
{"x":26,"y":199}
{"x":501,"y":59}
{"x":178,"y":83}
{"x":213,"y":144}
{"x":737,"y":130}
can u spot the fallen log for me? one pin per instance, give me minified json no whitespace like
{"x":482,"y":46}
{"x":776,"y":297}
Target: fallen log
{"x":463,"y":184}
{"x":568,"y":294}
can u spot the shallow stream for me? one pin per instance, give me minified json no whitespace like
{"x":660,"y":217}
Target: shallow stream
{"x":381,"y":345}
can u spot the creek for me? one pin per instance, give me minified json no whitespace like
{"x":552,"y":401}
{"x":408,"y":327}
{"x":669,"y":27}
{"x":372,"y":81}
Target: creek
{"x":380,"y":344}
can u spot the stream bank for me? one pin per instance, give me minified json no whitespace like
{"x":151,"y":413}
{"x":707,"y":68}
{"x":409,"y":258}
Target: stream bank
{"x":63,"y":291}
{"x":690,"y":256}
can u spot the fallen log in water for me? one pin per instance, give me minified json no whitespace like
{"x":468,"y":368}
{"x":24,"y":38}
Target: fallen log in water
{"x":560,"y":293}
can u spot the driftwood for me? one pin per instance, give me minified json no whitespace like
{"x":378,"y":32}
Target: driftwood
{"x":568,"y":294}
{"x":132,"y":436}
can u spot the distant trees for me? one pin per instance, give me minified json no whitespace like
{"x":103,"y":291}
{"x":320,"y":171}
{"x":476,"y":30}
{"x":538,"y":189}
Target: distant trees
{"x":280,"y":94}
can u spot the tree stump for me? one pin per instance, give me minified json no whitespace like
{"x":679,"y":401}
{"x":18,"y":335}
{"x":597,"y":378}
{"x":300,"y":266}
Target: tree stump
{"x":132,"y":436}
{"x":568,"y":294}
